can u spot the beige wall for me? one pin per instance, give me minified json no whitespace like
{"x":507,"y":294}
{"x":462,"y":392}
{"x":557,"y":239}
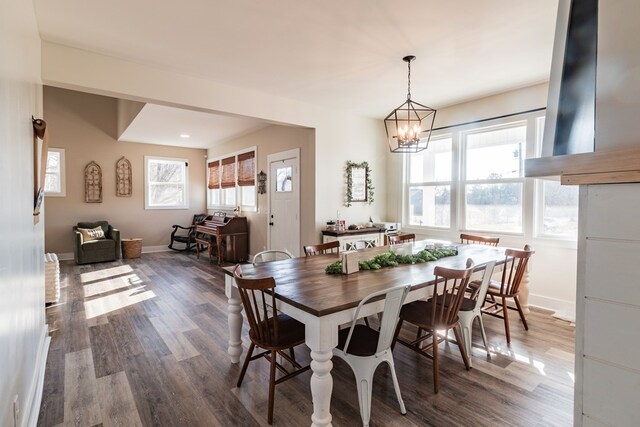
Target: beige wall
{"x":339,"y":135}
{"x":23,"y":332}
{"x":85,"y":126}
{"x":275,"y":139}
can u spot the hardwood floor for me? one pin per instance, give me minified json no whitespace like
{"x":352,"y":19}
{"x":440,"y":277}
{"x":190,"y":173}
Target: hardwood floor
{"x":143,"y":342}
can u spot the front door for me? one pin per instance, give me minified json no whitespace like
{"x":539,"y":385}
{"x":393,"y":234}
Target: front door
{"x":284,"y":201}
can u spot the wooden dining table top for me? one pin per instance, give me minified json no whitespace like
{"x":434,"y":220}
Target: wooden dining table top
{"x":303,"y":283}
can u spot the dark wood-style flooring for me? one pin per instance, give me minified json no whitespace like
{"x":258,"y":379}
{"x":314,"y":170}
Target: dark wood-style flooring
{"x":144,"y":342}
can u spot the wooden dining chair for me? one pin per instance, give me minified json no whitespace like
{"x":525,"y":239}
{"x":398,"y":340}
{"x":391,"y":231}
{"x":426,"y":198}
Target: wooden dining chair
{"x":401,"y":238}
{"x":438,"y":313}
{"x":515,"y":267}
{"x":268,"y":330}
{"x":271,"y":255}
{"x":322,"y":248}
{"x":364,"y":349}
{"x":479,"y":240}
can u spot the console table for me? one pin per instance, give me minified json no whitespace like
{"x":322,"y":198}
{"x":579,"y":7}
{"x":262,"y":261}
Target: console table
{"x":371,"y":237}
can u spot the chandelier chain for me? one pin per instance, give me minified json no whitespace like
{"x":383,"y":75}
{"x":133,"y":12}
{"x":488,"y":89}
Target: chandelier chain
{"x":409,"y":80}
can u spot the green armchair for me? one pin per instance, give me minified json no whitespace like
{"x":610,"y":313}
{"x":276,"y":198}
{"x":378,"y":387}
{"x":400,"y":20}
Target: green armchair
{"x":96,"y":250}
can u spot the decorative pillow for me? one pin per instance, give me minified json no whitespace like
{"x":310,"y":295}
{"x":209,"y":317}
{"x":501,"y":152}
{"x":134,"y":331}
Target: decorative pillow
{"x":89,"y":234}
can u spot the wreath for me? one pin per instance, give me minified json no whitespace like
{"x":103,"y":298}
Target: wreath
{"x":349,"y":180}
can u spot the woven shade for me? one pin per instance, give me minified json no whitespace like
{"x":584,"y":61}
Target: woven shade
{"x":247,"y":168}
{"x":214,"y":174}
{"x":228,"y":172}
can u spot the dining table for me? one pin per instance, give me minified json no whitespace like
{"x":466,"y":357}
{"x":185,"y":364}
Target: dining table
{"x":323,"y":302}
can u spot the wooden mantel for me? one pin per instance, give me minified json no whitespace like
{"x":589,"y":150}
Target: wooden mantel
{"x":600,"y":167}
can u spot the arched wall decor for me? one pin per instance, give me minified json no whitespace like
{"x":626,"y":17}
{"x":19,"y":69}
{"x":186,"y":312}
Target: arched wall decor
{"x":124,"y":182}
{"x":93,"y":183}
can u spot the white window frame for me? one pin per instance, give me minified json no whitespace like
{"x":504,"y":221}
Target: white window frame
{"x":238,"y":188}
{"x":451,"y":183}
{"x":147,"y":192}
{"x":61,"y":174}
{"x":514,"y":122}
{"x":532,"y":197}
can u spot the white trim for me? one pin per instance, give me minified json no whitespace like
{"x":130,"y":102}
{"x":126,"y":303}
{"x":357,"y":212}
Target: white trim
{"x":34,"y":396}
{"x":185,"y":204}
{"x":565,"y":310}
{"x":153,"y":249}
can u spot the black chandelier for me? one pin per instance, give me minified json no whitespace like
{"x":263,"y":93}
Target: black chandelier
{"x":409,"y":126}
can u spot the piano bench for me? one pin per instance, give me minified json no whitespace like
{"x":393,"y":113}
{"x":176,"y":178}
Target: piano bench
{"x":201,"y":244}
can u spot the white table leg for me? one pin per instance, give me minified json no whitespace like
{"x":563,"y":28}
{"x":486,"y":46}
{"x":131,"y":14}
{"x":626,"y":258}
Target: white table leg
{"x":321,"y":339}
{"x":321,"y":388}
{"x":234,"y":319}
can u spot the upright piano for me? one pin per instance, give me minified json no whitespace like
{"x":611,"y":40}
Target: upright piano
{"x":229,"y":236}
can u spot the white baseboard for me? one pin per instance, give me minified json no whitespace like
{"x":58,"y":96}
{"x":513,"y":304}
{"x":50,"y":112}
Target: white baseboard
{"x":32,"y":407}
{"x":565,"y":310}
{"x":152,"y":249}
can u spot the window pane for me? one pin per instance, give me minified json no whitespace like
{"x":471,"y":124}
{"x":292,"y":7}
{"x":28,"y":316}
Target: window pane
{"x":52,"y":183}
{"x":53,"y":162}
{"x":496,"y":154}
{"x":248,"y":195}
{"x":494,"y":207}
{"x":432,"y":164}
{"x":166,"y":171}
{"x":166,"y":195}
{"x":229,"y":195}
{"x":430,"y":205}
{"x":283,"y":179}
{"x":559,"y":210}
{"x":215,"y":197}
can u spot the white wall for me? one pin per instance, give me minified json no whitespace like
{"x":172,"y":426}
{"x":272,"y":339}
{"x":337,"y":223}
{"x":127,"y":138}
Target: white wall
{"x":22,"y":320}
{"x":339,"y":136}
{"x":608,"y":313}
{"x":553,"y":267}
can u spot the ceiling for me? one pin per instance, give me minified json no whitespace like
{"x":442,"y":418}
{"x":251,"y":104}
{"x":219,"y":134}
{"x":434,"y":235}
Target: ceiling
{"x":344,"y":55}
{"x":158,"y":124}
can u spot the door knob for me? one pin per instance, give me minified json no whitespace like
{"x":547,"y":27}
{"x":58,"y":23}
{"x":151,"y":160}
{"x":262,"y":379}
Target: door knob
{"x":271,"y":223}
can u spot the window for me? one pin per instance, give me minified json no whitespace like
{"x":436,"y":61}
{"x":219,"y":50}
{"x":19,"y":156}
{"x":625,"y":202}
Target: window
{"x":557,"y":214}
{"x":472,"y":178}
{"x":166,"y":183}
{"x":232,"y":181}
{"x":430,"y":185}
{"x":54,"y":182}
{"x":493,"y":178}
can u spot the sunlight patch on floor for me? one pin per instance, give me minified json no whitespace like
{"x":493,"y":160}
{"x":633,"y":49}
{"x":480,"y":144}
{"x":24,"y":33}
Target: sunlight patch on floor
{"x":107,"y":285}
{"x":103,"y":305}
{"x":106,"y":273}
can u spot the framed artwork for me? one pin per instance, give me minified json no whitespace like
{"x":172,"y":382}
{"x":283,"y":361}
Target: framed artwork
{"x":93,"y":183}
{"x":358,"y":183}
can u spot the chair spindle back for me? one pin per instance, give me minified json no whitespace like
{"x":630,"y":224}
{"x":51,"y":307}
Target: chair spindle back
{"x":254,"y":300}
{"x":448,"y":294}
{"x":514,"y":269}
{"x":323,"y":248}
{"x":480,"y":240}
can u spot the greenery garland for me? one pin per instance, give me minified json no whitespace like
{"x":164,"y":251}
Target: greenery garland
{"x":349,"y":180}
{"x":392,"y":259}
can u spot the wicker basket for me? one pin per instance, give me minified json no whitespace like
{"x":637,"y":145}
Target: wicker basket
{"x":131,"y":248}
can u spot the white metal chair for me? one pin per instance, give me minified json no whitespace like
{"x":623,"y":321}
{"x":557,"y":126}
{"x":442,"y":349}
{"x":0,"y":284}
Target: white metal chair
{"x":271,"y":255}
{"x":471,"y":310}
{"x":364,"y":348}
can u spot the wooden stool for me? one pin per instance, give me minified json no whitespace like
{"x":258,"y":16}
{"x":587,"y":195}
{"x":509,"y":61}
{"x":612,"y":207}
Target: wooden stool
{"x":201,"y":243}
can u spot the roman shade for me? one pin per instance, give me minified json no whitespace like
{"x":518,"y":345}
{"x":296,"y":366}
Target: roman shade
{"x":228,"y":172}
{"x":247,"y":168}
{"x":214,"y":174}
